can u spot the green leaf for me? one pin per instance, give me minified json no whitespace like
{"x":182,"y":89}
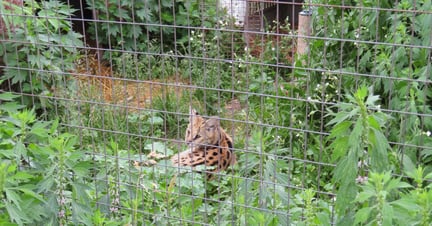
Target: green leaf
{"x":46,"y":184}
{"x":378,"y":152}
{"x":323,"y":219}
{"x":55,"y":22}
{"x":373,"y":122}
{"x":355,"y":138}
{"x":371,"y":100}
{"x":21,"y":176}
{"x":158,"y":147}
{"x":10,"y":107}
{"x":155,"y":120}
{"x":363,"y":196}
{"x":259,"y":217}
{"x":339,"y":148}
{"x":13,"y":197}
{"x":54,"y":126}
{"x":16,"y":214}
{"x":39,"y":129}
{"x":362,"y":93}
{"x":167,"y":18}
{"x":428,"y":176}
{"x":407,"y":163}
{"x":342,"y":116}
{"x":362,"y":215}
{"x":340,"y":129}
{"x":8,"y":96}
{"x":397,"y":184}
{"x":387,"y":214}
{"x":31,"y":193}
{"x":82,"y":169}
{"x":20,"y":149}
{"x":365,"y":59}
{"x":345,"y":173}
{"x":408,"y":203}
{"x":17,"y":75}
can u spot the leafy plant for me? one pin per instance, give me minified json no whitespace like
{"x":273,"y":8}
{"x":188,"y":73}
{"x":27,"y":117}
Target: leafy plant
{"x":40,"y":50}
{"x":358,"y":143}
{"x":383,"y":64}
{"x":388,"y":201}
{"x":315,"y":211}
{"x":38,"y":182}
{"x":375,"y":199}
{"x":132,"y":24}
{"x":415,"y":206}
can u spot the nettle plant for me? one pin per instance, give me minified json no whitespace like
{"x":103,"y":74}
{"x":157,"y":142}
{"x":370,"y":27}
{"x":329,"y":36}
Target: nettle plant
{"x":400,"y":71}
{"x":367,"y":192}
{"x":357,"y":143}
{"x":41,"y":47}
{"x":41,"y":172}
{"x":385,"y":200}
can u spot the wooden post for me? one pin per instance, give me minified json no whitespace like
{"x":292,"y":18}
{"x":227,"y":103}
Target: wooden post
{"x":304,"y":29}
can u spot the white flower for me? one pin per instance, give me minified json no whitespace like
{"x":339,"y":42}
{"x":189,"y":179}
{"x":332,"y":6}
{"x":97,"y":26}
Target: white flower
{"x":357,"y":33}
{"x":361,"y":180}
{"x":428,"y":133}
{"x":191,"y":39}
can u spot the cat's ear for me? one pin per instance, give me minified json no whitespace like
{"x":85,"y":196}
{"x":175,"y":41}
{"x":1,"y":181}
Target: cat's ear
{"x":192,"y":112}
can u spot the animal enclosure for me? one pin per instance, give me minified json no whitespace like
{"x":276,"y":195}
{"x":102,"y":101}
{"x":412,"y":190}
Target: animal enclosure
{"x":207,"y":112}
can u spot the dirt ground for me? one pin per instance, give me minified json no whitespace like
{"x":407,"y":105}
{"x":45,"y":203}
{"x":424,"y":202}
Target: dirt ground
{"x":117,"y":90}
{"x":136,"y":94}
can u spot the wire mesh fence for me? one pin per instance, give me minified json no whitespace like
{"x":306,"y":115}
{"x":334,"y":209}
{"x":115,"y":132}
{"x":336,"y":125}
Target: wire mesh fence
{"x":214,"y":112}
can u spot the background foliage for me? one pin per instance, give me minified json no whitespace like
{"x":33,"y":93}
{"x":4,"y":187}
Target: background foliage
{"x":135,"y":25}
{"x":342,"y":135}
{"x":39,"y":52}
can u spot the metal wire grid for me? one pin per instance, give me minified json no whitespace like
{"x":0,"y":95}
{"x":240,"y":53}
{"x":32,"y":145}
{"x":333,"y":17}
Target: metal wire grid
{"x":248,"y":124}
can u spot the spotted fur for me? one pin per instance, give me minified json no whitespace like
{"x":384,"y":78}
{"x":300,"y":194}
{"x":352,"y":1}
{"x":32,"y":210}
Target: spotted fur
{"x":209,"y":144}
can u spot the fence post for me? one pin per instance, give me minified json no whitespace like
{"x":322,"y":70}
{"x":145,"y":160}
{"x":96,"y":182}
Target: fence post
{"x":304,"y":31}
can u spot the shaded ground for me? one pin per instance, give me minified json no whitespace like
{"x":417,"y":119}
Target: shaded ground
{"x":137,"y":94}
